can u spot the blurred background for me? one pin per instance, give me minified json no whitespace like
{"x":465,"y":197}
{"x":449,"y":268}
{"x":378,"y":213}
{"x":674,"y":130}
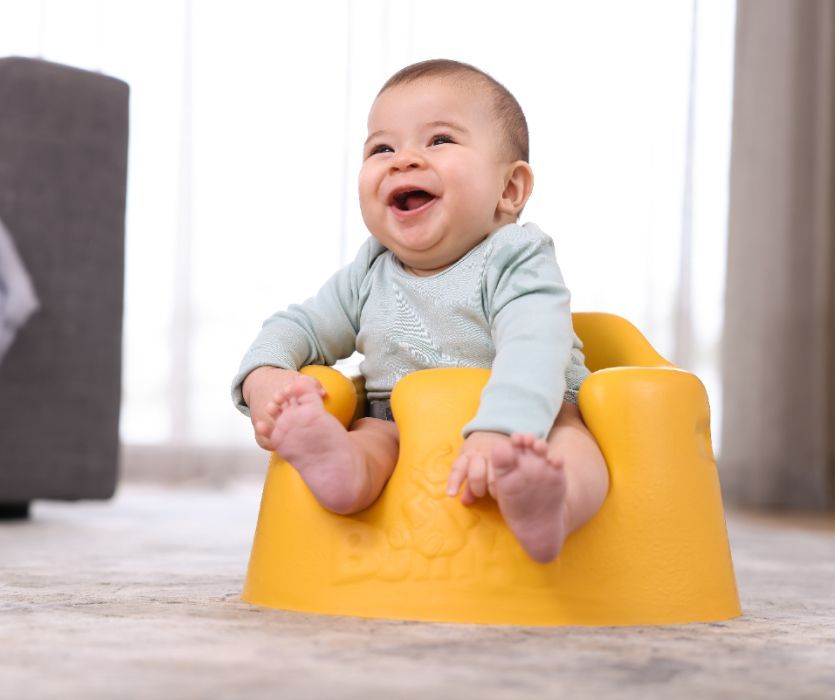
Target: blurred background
{"x":246,"y":126}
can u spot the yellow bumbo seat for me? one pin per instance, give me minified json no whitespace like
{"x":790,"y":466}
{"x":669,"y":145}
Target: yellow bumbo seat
{"x":657,"y":551}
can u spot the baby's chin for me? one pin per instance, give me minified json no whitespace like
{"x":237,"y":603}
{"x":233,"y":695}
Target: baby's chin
{"x":419,"y":252}
{"x":422,"y":263}
{"x":434,"y":258}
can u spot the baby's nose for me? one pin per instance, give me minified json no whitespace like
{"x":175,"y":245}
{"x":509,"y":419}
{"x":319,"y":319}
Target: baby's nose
{"x":407,"y":159}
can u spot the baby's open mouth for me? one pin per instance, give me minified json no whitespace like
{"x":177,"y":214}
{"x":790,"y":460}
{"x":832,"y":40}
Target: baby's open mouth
{"x":411,"y":199}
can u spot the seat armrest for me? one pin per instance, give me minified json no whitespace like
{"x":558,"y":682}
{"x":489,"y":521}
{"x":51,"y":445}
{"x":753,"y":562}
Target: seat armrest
{"x":634,"y":409}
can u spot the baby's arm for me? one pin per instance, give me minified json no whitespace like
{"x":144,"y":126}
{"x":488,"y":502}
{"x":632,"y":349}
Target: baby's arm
{"x":528,"y":308}
{"x":529,"y":312}
{"x":320,"y":331}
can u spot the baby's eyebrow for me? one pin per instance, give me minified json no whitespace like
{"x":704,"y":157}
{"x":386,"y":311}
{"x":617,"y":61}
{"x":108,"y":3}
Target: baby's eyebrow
{"x":448,"y":125}
{"x":372,"y":136}
{"x":434,"y":125}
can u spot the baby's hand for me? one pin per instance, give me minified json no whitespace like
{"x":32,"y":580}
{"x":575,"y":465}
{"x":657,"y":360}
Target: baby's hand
{"x":266,"y":390}
{"x":474,"y":464}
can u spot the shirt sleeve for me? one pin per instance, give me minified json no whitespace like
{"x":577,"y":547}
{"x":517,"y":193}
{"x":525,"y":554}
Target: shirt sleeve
{"x":528,"y":307}
{"x":319,"y":331}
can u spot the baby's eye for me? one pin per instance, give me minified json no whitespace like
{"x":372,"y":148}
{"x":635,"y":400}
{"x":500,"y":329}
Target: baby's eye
{"x":438,"y":139}
{"x":380,"y":148}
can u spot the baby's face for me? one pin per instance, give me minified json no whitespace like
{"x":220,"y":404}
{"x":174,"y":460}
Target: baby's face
{"x":433,"y":172}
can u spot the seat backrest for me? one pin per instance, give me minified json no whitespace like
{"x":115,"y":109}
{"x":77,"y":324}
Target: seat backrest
{"x":612,"y":341}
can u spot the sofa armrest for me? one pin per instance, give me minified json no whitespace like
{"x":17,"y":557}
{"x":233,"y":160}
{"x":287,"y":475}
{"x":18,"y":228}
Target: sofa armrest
{"x":63,"y":166}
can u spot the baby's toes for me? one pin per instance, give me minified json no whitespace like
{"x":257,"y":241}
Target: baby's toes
{"x":289,"y":402}
{"x":264,"y":428}
{"x":502,"y":460}
{"x":277,"y":401}
{"x":304,"y":385}
{"x":539,"y":447}
{"x":309,"y":397}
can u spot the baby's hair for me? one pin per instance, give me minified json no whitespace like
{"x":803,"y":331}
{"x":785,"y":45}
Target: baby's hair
{"x":505,"y":107}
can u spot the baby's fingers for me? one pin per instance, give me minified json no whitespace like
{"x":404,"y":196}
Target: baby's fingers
{"x":477,"y":477}
{"x":457,"y":475}
{"x":491,"y":479}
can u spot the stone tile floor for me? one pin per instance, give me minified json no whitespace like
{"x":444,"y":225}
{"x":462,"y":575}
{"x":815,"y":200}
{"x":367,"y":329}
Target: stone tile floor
{"x":138,"y":597}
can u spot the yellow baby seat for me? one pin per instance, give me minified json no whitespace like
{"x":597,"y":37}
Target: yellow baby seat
{"x":656,"y":552}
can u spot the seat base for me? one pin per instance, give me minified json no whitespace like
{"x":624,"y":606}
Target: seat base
{"x":656,"y":553}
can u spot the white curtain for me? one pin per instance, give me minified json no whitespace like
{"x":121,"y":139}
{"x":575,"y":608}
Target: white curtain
{"x":247,"y":120}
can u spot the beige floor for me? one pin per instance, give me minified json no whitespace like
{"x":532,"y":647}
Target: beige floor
{"x":138,"y":598}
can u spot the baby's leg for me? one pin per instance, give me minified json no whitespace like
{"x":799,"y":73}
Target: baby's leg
{"x":546,"y":490}
{"x":345,"y":470}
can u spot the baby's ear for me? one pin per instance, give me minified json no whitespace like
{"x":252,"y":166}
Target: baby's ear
{"x":517,"y":189}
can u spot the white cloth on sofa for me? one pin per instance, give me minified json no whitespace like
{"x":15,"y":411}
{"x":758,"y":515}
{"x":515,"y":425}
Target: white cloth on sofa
{"x":18,"y":300}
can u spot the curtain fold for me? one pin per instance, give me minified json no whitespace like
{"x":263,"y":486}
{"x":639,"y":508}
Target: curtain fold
{"x":779,"y":336}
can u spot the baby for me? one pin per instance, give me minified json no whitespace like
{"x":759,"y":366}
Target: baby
{"x":448,"y":279}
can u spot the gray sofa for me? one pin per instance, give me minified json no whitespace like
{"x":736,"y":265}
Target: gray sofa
{"x":63,"y":163}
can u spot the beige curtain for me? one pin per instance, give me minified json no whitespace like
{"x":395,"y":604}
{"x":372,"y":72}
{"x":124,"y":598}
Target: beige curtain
{"x":779,"y":339}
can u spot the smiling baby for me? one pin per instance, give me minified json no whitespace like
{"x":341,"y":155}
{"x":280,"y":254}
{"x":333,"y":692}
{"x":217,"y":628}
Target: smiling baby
{"x":448,"y":278}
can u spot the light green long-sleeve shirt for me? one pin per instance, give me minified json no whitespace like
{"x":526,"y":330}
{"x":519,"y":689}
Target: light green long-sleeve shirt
{"x":503,"y":306}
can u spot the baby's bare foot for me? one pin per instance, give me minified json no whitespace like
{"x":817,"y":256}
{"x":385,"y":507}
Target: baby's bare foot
{"x":530,"y":488}
{"x":317,"y":446}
